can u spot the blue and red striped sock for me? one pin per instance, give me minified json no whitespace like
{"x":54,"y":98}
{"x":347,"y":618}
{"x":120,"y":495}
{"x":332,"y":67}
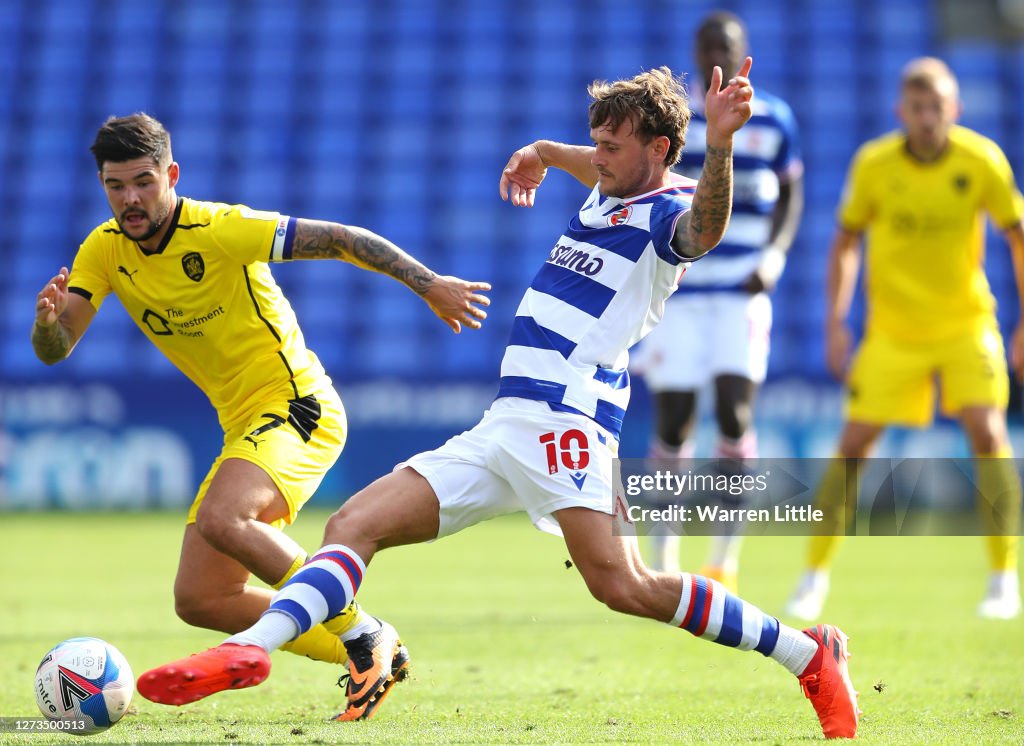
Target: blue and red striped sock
{"x":321,"y":589}
{"x":707,"y":610}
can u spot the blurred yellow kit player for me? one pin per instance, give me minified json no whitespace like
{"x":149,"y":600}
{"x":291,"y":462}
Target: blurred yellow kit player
{"x":920,"y":195}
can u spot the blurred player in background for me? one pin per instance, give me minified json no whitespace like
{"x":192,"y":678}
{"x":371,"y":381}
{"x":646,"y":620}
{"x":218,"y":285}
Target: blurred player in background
{"x":548,"y":442}
{"x":194,"y":276}
{"x":920,"y":196}
{"x":717,"y":326}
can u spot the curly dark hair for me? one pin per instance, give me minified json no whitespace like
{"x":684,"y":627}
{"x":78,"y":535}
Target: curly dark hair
{"x":654,"y":101}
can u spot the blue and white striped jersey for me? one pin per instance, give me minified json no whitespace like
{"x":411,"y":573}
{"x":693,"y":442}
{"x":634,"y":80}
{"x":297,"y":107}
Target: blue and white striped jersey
{"x":601,"y":290}
{"x":766,"y":153}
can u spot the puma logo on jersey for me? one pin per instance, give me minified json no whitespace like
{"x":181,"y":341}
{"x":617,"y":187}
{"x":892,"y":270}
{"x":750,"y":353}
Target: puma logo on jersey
{"x":130,"y":275}
{"x":275,"y":421}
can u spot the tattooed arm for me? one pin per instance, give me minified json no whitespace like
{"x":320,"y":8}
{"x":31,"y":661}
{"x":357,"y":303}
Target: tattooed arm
{"x":727,"y":109}
{"x":61,"y":319}
{"x":455,"y":301}
{"x":701,"y":228}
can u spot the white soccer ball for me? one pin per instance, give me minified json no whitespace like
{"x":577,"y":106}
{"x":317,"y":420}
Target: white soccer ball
{"x":84,"y":679}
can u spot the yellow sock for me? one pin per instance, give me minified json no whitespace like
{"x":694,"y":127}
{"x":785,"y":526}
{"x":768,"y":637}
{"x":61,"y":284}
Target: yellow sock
{"x":999,"y":503}
{"x":346,"y":620}
{"x":837,"y":497}
{"x":318,"y":643}
{"x":298,"y":562}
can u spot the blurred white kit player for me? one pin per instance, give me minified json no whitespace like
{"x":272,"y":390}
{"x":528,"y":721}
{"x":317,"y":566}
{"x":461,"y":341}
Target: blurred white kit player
{"x":717,"y":326}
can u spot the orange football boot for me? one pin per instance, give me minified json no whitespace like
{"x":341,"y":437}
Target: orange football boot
{"x":190,"y":679}
{"x":826,"y":682}
{"x":376,"y":662}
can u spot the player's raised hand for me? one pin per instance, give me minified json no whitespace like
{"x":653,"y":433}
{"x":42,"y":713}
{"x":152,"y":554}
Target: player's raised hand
{"x":52,"y":299}
{"x":522,"y":175}
{"x":458,"y":302}
{"x":727,"y":109}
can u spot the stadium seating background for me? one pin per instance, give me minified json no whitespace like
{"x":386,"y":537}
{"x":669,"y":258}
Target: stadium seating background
{"x":398,"y":115}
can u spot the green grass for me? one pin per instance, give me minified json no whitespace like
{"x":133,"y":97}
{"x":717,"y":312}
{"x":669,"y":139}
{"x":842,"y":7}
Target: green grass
{"x":508,"y":647}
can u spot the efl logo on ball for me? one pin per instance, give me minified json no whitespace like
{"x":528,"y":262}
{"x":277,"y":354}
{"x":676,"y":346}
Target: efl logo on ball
{"x":84,"y":679}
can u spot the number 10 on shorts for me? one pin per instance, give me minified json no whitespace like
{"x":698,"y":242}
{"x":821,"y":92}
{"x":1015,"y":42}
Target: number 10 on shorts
{"x":571,"y":448}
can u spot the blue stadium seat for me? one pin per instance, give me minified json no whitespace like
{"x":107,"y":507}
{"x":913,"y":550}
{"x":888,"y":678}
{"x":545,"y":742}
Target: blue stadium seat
{"x":983,"y":100}
{"x":203,"y":22}
{"x":974,"y":61}
{"x":383,"y":354}
{"x":141,"y":22}
{"x":772,"y":19}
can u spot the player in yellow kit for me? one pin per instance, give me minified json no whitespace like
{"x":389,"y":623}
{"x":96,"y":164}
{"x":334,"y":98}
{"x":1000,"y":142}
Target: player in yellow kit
{"x":920,"y":195}
{"x":195,"y":278}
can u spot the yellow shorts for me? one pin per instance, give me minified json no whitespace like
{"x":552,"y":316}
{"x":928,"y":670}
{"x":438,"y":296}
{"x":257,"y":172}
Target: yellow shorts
{"x":892,"y":382}
{"x":295,"y":441}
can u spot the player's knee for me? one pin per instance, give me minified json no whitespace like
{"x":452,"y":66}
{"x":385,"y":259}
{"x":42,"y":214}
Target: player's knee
{"x":221,"y":530}
{"x":195,"y":610}
{"x":734,"y":421}
{"x":348,"y":525}
{"x":987,"y":440}
{"x":670,"y":428}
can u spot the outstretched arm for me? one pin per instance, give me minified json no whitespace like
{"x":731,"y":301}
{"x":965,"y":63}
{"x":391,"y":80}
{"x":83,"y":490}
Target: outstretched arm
{"x":454,"y":300}
{"x":727,"y":109}
{"x":529,"y":165}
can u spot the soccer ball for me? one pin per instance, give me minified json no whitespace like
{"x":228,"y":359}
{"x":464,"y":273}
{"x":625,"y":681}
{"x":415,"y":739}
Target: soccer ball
{"x":85,"y":679}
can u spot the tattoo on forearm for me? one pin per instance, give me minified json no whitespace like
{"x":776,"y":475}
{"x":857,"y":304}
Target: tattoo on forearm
{"x":51,"y":343}
{"x":315,"y":239}
{"x":712,"y":202}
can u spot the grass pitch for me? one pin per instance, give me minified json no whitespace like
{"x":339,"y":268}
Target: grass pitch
{"x":508,"y":647}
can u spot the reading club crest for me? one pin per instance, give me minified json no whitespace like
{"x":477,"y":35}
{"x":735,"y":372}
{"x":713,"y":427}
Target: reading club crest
{"x":619,"y":217}
{"x":193,"y":265}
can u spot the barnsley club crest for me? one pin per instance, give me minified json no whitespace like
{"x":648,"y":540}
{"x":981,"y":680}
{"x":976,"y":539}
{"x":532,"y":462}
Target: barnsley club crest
{"x":193,"y":265}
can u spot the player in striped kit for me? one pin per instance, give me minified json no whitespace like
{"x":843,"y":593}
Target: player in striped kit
{"x":548,"y":442}
{"x":717,"y":326}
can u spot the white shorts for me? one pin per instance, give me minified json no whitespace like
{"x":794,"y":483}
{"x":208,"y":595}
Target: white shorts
{"x":703,"y":336}
{"x":520,"y":456}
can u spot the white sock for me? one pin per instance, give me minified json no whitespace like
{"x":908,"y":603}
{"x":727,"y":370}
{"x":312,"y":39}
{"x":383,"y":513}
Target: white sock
{"x":814,"y":581}
{"x":271,"y":631}
{"x":365,"y":624}
{"x":1004,"y":583}
{"x":794,"y":649}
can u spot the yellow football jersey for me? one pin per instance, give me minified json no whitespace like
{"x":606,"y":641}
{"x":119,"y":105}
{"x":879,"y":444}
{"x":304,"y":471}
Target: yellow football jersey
{"x":925,"y":231}
{"x":207,"y":300}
